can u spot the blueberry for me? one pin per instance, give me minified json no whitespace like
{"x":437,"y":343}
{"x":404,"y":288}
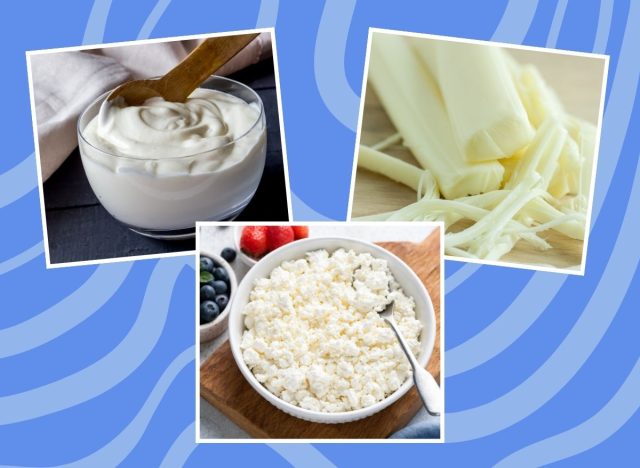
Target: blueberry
{"x":221,"y":274}
{"x":206,"y":264}
{"x":209,"y":310}
{"x":207,"y":293}
{"x":222,"y":300}
{"x":228,"y":254}
{"x":220,"y":287}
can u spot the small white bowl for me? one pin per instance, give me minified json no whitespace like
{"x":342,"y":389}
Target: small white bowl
{"x":405,"y":276}
{"x":244,"y":258}
{"x":213,"y":329}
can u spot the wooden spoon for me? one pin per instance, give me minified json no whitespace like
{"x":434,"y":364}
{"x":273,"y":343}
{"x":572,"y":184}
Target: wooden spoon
{"x":180,"y":81}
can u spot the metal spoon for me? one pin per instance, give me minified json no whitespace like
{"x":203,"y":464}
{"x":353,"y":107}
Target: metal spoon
{"x":426,"y":385}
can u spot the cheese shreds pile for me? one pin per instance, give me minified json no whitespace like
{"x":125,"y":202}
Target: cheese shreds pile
{"x":495,"y":146}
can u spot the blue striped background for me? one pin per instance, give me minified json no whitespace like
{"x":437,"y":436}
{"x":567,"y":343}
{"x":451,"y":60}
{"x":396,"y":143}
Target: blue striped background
{"x":97,"y":363}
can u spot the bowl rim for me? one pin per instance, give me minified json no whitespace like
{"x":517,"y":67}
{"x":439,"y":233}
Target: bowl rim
{"x":233,"y":280}
{"x":427,"y":345}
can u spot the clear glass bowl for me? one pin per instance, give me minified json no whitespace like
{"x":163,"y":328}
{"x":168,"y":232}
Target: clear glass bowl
{"x":163,"y":197}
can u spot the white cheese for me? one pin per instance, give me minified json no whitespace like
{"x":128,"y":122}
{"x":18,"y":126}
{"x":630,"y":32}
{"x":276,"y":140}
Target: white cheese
{"x":313,"y":335}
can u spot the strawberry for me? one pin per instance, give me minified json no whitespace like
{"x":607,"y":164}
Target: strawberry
{"x":277,"y":236}
{"x":253,"y":241}
{"x":300,"y":232}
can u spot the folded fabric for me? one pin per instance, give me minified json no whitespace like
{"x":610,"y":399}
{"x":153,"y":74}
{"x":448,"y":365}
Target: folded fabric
{"x":257,"y":50}
{"x":427,"y":427}
{"x":65,"y":83}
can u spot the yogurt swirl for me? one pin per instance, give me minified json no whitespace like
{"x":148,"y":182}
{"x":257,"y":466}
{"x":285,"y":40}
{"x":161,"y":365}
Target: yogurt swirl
{"x":160,"y":129}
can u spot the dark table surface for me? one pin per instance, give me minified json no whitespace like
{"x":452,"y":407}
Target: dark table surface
{"x":79,"y":228}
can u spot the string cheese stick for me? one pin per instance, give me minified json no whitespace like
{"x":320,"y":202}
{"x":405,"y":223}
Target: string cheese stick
{"x":504,"y":212}
{"x":541,"y":156}
{"x":541,"y":104}
{"x":476,"y":207}
{"x":539,"y":100}
{"x":389,"y":141}
{"x":538,"y":209}
{"x":565,"y":180}
{"x":544,"y":213}
{"x":555,"y":161}
{"x":394,"y":168}
{"x":413,"y":103}
{"x":483,"y":105}
{"x":584,"y":133}
{"x":451,"y":211}
{"x":456,"y":252}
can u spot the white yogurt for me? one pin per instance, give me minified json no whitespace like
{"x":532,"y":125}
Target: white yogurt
{"x":162,"y":166}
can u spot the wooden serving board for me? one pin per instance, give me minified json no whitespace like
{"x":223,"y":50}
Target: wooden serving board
{"x":577,"y":81}
{"x":222,"y":384}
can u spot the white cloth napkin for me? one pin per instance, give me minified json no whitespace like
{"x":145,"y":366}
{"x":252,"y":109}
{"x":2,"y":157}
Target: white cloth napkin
{"x":65,"y":83}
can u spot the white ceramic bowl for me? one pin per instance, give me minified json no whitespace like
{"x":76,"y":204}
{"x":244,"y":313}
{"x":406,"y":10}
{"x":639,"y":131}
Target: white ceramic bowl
{"x":213,"y":329}
{"x":407,"y":279}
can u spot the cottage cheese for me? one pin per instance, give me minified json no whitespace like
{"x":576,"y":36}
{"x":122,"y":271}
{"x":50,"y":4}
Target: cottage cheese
{"x":313,"y":335}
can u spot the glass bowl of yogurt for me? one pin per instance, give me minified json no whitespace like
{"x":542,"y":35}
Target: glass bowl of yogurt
{"x":160,"y":167}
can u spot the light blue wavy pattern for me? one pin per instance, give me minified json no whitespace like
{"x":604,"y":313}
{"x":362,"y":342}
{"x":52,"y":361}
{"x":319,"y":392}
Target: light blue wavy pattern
{"x":590,"y":433}
{"x":617,"y":114}
{"x":113,"y":453}
{"x":303,"y":212}
{"x":111,"y":369}
{"x":604,"y":27}
{"x":460,"y":276}
{"x":556,"y":24}
{"x":181,"y":449}
{"x":302,"y":455}
{"x":507,"y":328}
{"x":116,"y":451}
{"x":97,"y":22}
{"x":18,"y":181}
{"x":540,"y":294}
{"x":153,"y":18}
{"x":66,"y":314}
{"x":331,"y":44}
{"x":516,"y":21}
{"x":20,"y":259}
{"x":268,"y":13}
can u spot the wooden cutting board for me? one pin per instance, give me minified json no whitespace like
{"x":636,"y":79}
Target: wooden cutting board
{"x":222,"y":384}
{"x":577,"y":81}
